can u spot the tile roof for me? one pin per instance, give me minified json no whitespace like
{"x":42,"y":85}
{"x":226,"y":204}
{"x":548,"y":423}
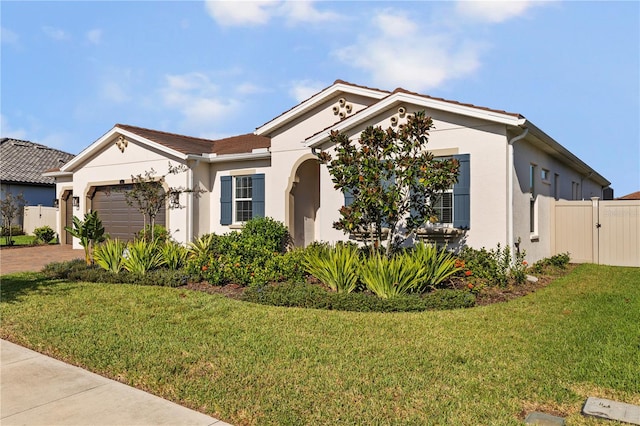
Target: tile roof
{"x":24,"y":161}
{"x":632,"y":196}
{"x":191,"y":145}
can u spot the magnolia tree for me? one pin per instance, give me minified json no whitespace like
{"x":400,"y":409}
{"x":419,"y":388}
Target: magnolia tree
{"x":392,"y":179}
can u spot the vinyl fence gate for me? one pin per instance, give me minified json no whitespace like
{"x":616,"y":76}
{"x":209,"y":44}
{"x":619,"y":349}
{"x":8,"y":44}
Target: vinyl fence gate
{"x":597,"y":231}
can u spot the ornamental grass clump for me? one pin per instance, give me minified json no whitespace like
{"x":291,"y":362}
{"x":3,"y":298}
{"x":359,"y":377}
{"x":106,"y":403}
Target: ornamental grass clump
{"x":337,"y":267}
{"x":400,"y":275}
{"x":108,"y":255}
{"x":439,"y":265}
{"x":142,"y":256}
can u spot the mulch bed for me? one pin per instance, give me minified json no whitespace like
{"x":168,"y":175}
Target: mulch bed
{"x":487,"y":296}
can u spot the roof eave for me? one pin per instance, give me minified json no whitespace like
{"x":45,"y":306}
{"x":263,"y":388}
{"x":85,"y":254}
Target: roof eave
{"x":565,"y":155}
{"x":57,"y":174}
{"x":227,"y":158}
{"x":401,"y":97}
{"x":105,"y":139}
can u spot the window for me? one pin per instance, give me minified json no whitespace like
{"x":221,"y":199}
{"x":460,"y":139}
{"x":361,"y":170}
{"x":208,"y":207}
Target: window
{"x":241,"y":198}
{"x":545,"y":175}
{"x":556,"y":186}
{"x":443,"y":206}
{"x":575,"y":190}
{"x":532,"y":199}
{"x":243,"y":204}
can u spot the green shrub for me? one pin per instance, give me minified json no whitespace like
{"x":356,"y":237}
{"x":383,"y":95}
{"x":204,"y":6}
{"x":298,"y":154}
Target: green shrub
{"x":337,"y":267}
{"x":159,"y":234}
{"x":109,"y":255}
{"x":174,"y":255}
{"x":15,"y":231}
{"x":267,"y":233}
{"x":141,"y":256}
{"x":61,"y":270}
{"x":439,"y":264}
{"x":313,"y":296}
{"x":44,"y":234}
{"x":497,"y":266}
{"x":559,"y":261}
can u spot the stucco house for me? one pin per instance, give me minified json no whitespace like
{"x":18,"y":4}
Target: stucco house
{"x":23,"y":163}
{"x":510,"y":171}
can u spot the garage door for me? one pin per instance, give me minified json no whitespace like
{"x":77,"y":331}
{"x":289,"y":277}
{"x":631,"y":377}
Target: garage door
{"x":119,"y":220}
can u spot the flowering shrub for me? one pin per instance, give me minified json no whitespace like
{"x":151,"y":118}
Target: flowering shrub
{"x":496,"y":266}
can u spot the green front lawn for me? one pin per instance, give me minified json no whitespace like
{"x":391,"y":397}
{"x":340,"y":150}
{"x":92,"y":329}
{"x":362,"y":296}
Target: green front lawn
{"x":19,"y":240}
{"x":255,"y":364}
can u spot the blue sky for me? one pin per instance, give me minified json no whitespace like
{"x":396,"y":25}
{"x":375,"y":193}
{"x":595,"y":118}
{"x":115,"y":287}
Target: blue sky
{"x":71,"y":70}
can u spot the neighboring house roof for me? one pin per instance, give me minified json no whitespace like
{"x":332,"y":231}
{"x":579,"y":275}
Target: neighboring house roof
{"x":24,"y":161}
{"x":632,"y":196}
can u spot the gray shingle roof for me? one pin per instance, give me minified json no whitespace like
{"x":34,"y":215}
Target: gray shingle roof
{"x":24,"y":161}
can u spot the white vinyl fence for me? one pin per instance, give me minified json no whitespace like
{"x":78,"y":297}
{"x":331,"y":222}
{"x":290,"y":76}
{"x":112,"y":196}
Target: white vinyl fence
{"x":39,"y":216}
{"x":596,"y":231}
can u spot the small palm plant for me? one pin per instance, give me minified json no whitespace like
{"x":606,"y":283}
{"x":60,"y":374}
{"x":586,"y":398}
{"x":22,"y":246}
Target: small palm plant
{"x":89,"y":231}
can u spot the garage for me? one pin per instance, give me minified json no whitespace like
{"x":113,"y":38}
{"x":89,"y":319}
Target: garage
{"x":119,"y":219}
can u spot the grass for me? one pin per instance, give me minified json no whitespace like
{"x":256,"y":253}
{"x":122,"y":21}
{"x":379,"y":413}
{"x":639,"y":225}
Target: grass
{"x":19,"y":240}
{"x":252,"y":364}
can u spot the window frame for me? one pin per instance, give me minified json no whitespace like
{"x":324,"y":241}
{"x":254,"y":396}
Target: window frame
{"x":235,"y":199}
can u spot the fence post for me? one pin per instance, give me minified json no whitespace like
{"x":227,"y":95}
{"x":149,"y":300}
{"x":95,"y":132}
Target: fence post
{"x":595,"y":202}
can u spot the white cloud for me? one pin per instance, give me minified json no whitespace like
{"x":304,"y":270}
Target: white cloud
{"x":229,"y":13}
{"x":94,"y":36}
{"x":303,"y":89}
{"x":198,"y":99}
{"x":297,"y":12}
{"x":56,"y":33}
{"x":239,"y":13}
{"x":8,"y":37}
{"x":250,"y":89}
{"x":494,"y":11}
{"x":398,"y":52}
{"x":115,"y":92}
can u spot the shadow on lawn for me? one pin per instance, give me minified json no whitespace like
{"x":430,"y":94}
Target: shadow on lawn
{"x":15,"y":286}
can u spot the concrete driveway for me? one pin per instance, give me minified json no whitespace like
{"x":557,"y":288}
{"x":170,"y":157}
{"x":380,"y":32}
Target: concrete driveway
{"x":33,"y":259}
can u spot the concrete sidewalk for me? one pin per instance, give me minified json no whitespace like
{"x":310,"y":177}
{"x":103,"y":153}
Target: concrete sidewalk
{"x":39,"y":390}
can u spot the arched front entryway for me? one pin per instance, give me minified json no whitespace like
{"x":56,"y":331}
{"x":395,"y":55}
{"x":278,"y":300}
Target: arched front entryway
{"x":304,"y":200}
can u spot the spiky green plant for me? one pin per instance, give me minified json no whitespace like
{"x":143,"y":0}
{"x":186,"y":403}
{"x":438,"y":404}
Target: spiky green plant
{"x":142,"y":256}
{"x":336,"y":266}
{"x":108,"y":255}
{"x":439,"y":264}
{"x":201,"y":246}
{"x":174,"y":255}
{"x":89,"y":231}
{"x":391,"y":277}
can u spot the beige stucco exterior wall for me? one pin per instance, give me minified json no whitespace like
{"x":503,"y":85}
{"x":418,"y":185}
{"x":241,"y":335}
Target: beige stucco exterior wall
{"x":538,"y":244}
{"x":110,"y":165}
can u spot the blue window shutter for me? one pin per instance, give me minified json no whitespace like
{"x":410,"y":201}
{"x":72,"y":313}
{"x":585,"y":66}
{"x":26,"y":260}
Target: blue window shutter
{"x":226,"y":210}
{"x":348,"y":198}
{"x":258,"y":195}
{"x":461,"y":194}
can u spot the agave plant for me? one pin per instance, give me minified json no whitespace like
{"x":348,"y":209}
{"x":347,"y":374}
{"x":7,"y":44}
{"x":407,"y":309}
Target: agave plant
{"x":108,"y":255}
{"x":439,"y":264}
{"x":390,"y":277}
{"x":337,"y":266}
{"x":142,"y":256}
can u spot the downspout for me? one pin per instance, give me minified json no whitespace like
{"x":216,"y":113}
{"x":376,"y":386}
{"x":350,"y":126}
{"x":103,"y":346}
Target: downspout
{"x":510,"y":165}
